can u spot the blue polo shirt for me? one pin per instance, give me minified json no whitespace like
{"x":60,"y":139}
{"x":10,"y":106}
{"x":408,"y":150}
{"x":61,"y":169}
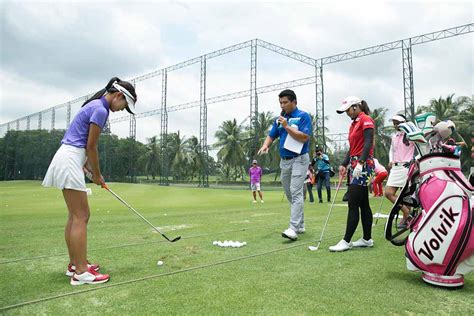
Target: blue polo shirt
{"x":299,"y":119}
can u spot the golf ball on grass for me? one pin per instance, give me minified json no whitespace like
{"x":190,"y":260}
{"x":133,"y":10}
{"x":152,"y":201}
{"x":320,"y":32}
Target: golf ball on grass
{"x":159,"y":263}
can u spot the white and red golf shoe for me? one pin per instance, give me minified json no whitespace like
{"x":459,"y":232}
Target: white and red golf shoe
{"x":89,"y":277}
{"x":71,"y":269}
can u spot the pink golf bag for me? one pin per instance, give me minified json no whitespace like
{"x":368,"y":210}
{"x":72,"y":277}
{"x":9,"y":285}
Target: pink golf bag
{"x":440,"y":242}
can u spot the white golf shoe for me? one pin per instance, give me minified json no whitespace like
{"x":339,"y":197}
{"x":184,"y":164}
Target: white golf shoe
{"x":290,"y":234}
{"x":301,"y":230}
{"x":363,"y":243}
{"x":341,"y":246}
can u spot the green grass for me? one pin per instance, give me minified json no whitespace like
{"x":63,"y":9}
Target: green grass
{"x":292,"y":280}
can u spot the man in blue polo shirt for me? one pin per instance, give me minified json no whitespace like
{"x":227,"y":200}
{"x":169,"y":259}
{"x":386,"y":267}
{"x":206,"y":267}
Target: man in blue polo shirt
{"x":297,"y":124}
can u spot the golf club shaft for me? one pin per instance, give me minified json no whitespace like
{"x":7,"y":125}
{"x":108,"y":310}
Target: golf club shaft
{"x":89,"y":175}
{"x":132,"y":209}
{"x":138,"y":214}
{"x":380,"y":209}
{"x":330,"y":209}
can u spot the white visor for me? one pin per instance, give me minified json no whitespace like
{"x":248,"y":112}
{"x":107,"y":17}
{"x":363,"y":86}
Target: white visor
{"x":128,"y":97}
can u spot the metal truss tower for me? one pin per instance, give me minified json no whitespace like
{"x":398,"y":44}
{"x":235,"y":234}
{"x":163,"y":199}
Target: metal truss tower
{"x":319,"y":113}
{"x":203,"y":152}
{"x":53,"y":118}
{"x":408,"y":92}
{"x":253,"y":114}
{"x":164,"y":131}
{"x":68,"y":115}
{"x":131,"y":148}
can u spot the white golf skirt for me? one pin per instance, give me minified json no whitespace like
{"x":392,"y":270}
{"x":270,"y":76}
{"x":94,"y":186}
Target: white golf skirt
{"x":65,"y":170}
{"x":398,"y":177}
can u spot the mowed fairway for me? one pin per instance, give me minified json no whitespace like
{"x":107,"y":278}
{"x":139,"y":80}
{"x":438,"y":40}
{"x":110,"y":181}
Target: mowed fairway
{"x":268,"y":276}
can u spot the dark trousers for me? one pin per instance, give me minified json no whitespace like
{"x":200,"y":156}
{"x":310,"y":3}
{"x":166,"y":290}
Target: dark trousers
{"x":323,"y":177}
{"x":309,"y":188}
{"x":358,"y":199}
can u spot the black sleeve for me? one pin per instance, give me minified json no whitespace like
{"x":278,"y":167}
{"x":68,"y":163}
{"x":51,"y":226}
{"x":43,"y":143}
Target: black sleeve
{"x":368,"y":142}
{"x":345,"y":162}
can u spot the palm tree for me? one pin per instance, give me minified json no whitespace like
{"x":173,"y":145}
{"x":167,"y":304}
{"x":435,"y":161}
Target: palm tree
{"x":258,"y":132}
{"x":197,"y":158}
{"x":179,"y":153}
{"x":152,"y":156}
{"x":461,"y":112}
{"x":382,"y":139}
{"x":230,"y":136}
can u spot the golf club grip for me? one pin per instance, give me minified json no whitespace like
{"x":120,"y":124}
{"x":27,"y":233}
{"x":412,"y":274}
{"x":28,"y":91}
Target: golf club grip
{"x":89,"y":176}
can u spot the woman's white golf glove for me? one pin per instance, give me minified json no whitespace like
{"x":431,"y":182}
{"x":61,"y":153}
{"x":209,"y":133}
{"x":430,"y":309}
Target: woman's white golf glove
{"x":357,"y":171}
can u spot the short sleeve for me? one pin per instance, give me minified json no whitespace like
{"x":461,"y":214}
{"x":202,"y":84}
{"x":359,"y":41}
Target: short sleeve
{"x":367,"y":122}
{"x":274,"y":131}
{"x":305,"y":124}
{"x":99,"y":117}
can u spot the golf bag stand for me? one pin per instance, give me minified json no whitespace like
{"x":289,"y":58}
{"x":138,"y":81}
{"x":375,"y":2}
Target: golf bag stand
{"x":441,"y":239}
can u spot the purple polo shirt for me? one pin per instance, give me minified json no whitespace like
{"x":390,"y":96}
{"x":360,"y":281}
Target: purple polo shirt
{"x":97,"y":112}
{"x":255,"y":174}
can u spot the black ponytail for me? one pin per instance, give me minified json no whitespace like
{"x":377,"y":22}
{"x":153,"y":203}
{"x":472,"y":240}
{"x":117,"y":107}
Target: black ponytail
{"x":364,"y":107}
{"x":100,"y":93}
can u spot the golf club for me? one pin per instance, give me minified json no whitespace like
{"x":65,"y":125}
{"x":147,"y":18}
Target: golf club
{"x":380,"y":208}
{"x":314,"y":248}
{"x":89,"y":176}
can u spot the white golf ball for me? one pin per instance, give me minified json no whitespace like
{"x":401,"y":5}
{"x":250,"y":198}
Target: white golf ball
{"x":215,"y":243}
{"x":159,"y":263}
{"x":244,"y":243}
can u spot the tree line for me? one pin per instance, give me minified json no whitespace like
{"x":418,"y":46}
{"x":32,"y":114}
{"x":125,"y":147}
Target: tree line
{"x":26,"y":154}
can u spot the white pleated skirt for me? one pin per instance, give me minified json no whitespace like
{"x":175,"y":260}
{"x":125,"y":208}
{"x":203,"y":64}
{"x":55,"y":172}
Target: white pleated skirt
{"x":65,"y":170}
{"x":398,"y":177}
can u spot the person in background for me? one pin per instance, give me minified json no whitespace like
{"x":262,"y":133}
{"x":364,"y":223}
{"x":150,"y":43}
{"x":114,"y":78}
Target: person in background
{"x":255,"y":173}
{"x":310,"y":180}
{"x":380,"y":175}
{"x":321,"y":162}
{"x":400,"y":154}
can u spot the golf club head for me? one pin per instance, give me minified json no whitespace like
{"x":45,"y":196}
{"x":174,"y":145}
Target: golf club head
{"x":175,"y":239}
{"x":313,"y":248}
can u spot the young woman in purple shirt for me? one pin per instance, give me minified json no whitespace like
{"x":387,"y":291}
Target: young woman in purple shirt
{"x":78,"y":148}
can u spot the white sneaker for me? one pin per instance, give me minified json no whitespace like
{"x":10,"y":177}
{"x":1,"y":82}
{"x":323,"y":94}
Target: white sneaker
{"x":363,"y":243}
{"x":89,"y":277}
{"x":301,"y":230}
{"x":261,"y":201}
{"x":254,"y":201}
{"x":290,"y":234}
{"x":341,"y":246}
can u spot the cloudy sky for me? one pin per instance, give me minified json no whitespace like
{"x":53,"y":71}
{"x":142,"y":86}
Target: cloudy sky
{"x":55,"y":51}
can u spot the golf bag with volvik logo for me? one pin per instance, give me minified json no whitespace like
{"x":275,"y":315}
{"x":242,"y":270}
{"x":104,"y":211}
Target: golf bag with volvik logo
{"x":440,"y":242}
